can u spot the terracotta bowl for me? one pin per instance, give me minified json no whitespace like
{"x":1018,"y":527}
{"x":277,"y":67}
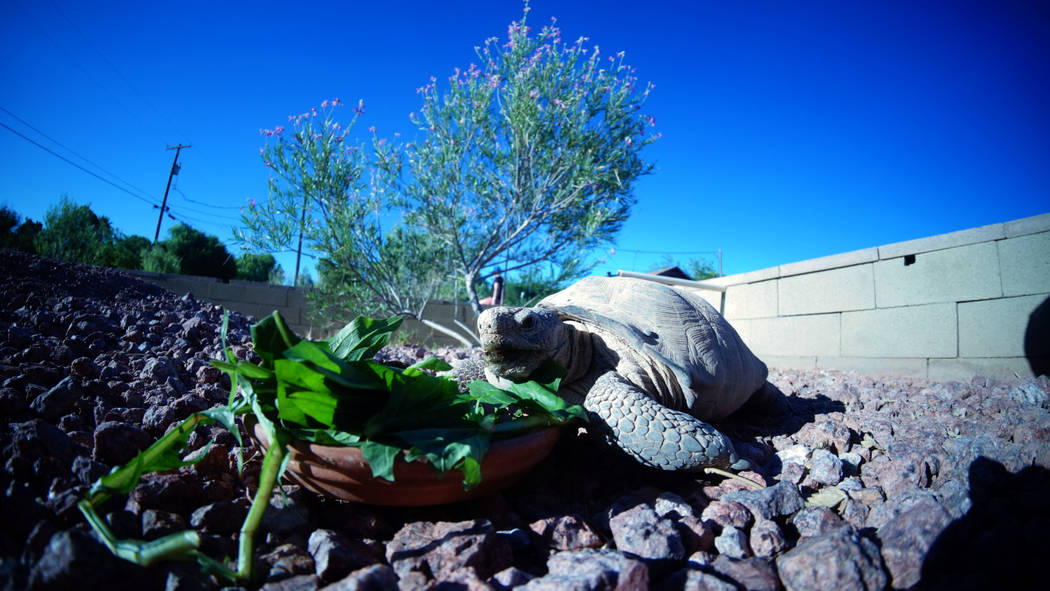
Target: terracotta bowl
{"x":341,"y":472}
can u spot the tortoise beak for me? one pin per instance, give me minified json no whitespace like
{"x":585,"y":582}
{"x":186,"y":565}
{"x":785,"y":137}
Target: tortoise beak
{"x":508,"y":337}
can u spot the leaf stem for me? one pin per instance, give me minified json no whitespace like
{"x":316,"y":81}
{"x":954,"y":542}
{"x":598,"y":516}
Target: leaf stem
{"x":267,"y":480}
{"x":750,"y":483}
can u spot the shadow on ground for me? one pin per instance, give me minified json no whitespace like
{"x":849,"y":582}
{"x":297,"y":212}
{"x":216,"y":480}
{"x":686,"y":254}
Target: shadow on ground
{"x":1000,"y":543}
{"x":1037,"y":339}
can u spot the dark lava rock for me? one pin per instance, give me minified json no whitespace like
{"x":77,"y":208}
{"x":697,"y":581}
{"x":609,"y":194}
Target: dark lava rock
{"x":437,"y":550}
{"x":592,"y":570}
{"x":58,"y":400}
{"x":287,"y":561}
{"x":732,"y":542}
{"x":378,"y":577}
{"x":906,"y":538}
{"x":157,"y":524}
{"x":771,"y":502}
{"x":222,"y":517}
{"x":335,"y":556}
{"x":36,"y":438}
{"x":814,"y":521}
{"x":837,"y":560}
{"x":567,"y":532}
{"x":754,"y":574}
{"x":116,"y":442}
{"x":75,"y":560}
{"x":640,"y":532}
{"x":727,"y":513}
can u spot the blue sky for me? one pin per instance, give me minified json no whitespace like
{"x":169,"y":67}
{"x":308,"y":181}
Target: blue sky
{"x":791,"y":130}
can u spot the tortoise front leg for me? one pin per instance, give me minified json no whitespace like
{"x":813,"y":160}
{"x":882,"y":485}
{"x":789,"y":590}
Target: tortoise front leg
{"x":651,"y":433}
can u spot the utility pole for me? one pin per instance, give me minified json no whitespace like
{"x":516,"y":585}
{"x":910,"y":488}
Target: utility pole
{"x":174,"y":171}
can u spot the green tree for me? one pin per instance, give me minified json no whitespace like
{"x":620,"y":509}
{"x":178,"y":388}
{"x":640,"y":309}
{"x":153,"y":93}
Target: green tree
{"x":321,"y":194}
{"x":158,"y":259}
{"x":256,"y":267}
{"x":15,"y":233}
{"x":530,"y":285}
{"x":697,"y":268}
{"x":199,"y":253}
{"x":74,"y":233}
{"x":125,"y":253}
{"x":530,"y":157}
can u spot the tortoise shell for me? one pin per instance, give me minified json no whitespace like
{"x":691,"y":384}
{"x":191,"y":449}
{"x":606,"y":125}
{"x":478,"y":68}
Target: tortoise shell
{"x":672,"y":330}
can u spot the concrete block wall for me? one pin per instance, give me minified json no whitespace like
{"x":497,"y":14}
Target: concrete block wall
{"x":261,"y":299}
{"x":250,"y":298}
{"x":974,"y":302}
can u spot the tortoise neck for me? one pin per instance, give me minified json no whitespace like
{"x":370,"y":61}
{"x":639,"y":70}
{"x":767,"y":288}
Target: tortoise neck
{"x":573,"y":352}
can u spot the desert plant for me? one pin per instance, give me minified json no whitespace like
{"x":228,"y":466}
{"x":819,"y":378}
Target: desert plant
{"x":528,"y":157}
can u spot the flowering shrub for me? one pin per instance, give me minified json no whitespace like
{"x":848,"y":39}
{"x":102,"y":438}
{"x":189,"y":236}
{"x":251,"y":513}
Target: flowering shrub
{"x":528,"y":156}
{"x":323,"y":193}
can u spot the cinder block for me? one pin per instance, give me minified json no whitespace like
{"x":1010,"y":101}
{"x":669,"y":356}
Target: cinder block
{"x":748,"y":277}
{"x":266,"y":294}
{"x":943,"y":241}
{"x":1029,"y":225}
{"x":230,"y":292}
{"x":297,"y":297}
{"x":835,"y":261}
{"x":254,"y":310}
{"x":291,"y":315}
{"x":953,"y":275}
{"x":836,"y":290}
{"x":996,"y":328}
{"x":881,"y":366}
{"x":751,"y":300}
{"x":965,"y":369}
{"x":180,"y":286}
{"x":711,"y":297}
{"x":1025,"y":264}
{"x":911,"y":331}
{"x":789,"y":362}
{"x":794,"y":336}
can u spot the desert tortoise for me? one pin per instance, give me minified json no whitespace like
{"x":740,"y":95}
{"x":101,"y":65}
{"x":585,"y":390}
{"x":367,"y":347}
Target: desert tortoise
{"x":649,"y":362}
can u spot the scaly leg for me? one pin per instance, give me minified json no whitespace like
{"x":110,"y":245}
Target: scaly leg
{"x":653,"y":434}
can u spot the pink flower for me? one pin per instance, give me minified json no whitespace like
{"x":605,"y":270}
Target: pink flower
{"x":534,"y":93}
{"x":251,"y":203}
{"x":627,"y":140}
{"x":278,"y":130}
{"x":372,"y":129}
{"x":324,"y":104}
{"x":360,"y":108}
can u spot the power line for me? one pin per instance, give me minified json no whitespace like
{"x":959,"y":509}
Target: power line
{"x":67,"y":160}
{"x":177,"y":190}
{"x":74,"y":152}
{"x":677,"y":253}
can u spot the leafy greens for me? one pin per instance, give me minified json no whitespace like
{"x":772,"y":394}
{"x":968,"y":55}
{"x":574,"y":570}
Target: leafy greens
{"x":331,"y":392}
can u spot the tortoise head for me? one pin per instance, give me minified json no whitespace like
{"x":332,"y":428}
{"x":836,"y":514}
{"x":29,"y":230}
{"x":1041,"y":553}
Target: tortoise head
{"x":518,"y":340}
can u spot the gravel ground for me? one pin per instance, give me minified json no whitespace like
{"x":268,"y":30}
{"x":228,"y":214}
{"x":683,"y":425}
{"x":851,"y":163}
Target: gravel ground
{"x":872,"y":482}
